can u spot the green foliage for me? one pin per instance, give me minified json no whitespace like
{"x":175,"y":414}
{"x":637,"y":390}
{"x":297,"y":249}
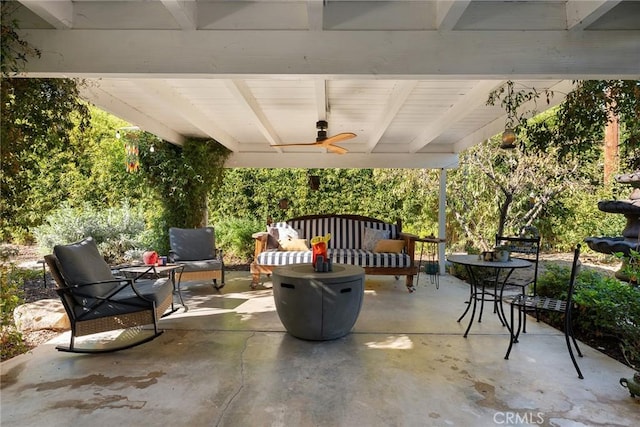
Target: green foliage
{"x":233,"y":236}
{"x":388,"y":194}
{"x":605,"y":306}
{"x":574,"y":215}
{"x":115,"y":230}
{"x":182,"y":178}
{"x":38,"y":118}
{"x":14,"y":50}
{"x":503,"y":191}
{"x":512,"y":97}
{"x":581,"y":118}
{"x":11,"y":282}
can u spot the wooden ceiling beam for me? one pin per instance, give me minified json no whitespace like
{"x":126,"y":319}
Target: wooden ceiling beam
{"x":344,"y":161}
{"x":160,"y":91}
{"x":397,"y":98}
{"x":120,"y":108}
{"x":466,"y":105}
{"x":242,"y":93}
{"x":402,"y":55}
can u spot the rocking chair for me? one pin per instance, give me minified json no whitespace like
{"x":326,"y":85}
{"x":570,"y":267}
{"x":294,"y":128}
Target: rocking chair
{"x":97,"y":301}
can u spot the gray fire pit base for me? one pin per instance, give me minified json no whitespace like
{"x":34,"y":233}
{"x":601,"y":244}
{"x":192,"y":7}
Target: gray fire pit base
{"x":318,"y":306}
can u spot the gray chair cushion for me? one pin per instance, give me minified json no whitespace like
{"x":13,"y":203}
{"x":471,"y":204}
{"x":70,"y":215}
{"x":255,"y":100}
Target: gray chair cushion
{"x":192,"y":244}
{"x":126,"y":300}
{"x":81,"y":263}
{"x":201,"y":265}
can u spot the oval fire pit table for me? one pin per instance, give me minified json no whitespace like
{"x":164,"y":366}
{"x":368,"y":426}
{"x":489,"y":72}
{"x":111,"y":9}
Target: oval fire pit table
{"x":318,"y":306}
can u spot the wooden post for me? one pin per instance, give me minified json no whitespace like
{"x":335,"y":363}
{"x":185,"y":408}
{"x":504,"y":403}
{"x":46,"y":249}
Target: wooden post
{"x":611,"y":141}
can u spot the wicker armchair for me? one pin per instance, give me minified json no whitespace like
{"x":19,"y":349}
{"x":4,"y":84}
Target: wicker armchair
{"x":195,"y":249}
{"x":97,"y":301}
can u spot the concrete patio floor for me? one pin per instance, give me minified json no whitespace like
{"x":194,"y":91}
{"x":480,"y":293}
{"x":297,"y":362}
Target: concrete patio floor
{"x":229,"y":362}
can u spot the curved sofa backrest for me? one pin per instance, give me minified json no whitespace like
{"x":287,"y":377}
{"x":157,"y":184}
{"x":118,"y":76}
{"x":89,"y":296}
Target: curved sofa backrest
{"x":347,"y":231}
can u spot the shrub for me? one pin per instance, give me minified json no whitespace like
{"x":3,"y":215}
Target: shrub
{"x":10,"y":297}
{"x":115,"y":230}
{"x":233,"y":235}
{"x":605,"y":307}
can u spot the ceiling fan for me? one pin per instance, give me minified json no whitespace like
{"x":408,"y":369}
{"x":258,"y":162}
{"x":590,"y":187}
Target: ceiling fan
{"x":323,"y":141}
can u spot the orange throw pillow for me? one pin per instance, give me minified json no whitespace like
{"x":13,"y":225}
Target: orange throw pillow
{"x":294,"y":245}
{"x":392,"y":246}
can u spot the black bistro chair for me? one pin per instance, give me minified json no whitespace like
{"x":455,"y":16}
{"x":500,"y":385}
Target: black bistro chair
{"x":526,"y":247}
{"x":522,"y":302}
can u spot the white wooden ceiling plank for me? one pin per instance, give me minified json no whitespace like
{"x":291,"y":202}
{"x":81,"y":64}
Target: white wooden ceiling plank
{"x":57,"y":13}
{"x":180,"y":105}
{"x":124,"y":110}
{"x":448,"y":13}
{"x":379,"y":15}
{"x":242,"y":93}
{"x":315,"y":15}
{"x":396,"y":100}
{"x":122,"y":15}
{"x":184,"y":12}
{"x":464,"y":106}
{"x":581,"y":14}
{"x":322,"y":104}
{"x":253,"y":15}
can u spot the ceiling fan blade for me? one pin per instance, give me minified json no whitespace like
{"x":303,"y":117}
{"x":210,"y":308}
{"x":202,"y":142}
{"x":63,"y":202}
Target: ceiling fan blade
{"x":336,"y":149}
{"x":301,"y":144}
{"x":337,"y":138}
{"x":325,"y":143}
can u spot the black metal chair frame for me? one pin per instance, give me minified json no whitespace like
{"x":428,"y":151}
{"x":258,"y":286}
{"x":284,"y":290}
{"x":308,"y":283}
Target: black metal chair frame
{"x":92,"y":321}
{"x":527,"y":248}
{"x":523,"y":302}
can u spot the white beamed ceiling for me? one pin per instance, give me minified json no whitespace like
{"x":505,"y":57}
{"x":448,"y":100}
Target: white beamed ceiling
{"x":410,"y":78}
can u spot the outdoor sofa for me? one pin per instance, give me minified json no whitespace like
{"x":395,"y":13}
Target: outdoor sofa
{"x":379,"y":247}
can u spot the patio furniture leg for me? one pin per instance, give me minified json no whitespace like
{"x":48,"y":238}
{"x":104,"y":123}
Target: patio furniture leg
{"x":513,"y":336}
{"x":470,"y":296}
{"x":568,"y":331}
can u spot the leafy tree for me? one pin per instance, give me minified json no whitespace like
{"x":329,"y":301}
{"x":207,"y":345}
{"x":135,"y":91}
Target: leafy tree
{"x":578,"y":123}
{"x":37,"y":118}
{"x":513,"y":186}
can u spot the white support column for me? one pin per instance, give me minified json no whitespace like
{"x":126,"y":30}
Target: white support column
{"x":442,"y":218}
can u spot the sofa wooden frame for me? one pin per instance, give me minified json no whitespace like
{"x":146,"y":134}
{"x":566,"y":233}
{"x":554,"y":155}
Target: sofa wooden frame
{"x":410,"y":240}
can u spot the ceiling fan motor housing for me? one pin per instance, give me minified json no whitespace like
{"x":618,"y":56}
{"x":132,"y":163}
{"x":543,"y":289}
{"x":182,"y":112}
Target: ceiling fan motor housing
{"x":321,"y":125}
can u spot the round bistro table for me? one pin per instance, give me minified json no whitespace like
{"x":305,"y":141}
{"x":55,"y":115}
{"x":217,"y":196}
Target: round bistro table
{"x":478,"y":290}
{"x":318,"y":306}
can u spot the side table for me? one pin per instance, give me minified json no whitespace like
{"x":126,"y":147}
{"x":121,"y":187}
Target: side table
{"x":157,"y":271}
{"x":318,"y":306}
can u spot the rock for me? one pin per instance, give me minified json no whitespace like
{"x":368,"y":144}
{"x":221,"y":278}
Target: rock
{"x":42,"y":314}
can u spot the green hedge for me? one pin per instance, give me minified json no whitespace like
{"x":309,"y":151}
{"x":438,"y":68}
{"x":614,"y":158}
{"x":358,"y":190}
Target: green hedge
{"x":605,"y":306}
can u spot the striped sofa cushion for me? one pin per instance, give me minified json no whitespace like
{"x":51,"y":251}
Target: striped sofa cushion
{"x":342,"y":256}
{"x":346,"y":233}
